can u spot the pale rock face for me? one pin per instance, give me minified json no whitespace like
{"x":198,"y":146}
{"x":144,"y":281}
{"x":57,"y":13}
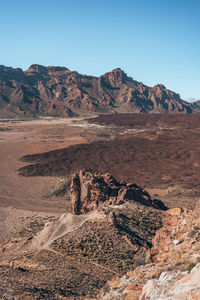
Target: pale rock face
{"x":169,"y":286}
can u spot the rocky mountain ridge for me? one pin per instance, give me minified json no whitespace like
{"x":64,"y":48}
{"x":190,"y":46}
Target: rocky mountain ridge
{"x":57,"y":91}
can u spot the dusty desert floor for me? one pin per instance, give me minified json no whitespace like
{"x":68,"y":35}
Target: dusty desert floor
{"x":25,"y":138}
{"x":162,"y":147}
{"x":24,"y":197}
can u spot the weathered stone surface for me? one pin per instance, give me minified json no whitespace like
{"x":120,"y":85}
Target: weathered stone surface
{"x":174,"y":270}
{"x":90,"y":191}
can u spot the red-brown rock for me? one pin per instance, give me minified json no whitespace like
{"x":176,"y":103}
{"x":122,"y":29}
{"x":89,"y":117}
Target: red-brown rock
{"x":90,"y":191}
{"x":57,"y":91}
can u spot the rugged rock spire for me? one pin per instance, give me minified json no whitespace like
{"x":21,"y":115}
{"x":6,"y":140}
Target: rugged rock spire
{"x":90,"y":191}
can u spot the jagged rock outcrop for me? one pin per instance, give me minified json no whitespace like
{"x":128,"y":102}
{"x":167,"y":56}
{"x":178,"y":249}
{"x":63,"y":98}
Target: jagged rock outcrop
{"x":90,"y":191}
{"x":173,"y":263}
{"x":57,"y":91}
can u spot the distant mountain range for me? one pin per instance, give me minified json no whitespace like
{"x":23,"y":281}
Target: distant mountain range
{"x":57,"y":91}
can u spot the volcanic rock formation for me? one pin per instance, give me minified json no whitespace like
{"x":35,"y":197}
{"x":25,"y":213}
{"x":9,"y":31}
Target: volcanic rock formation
{"x":57,"y":91}
{"x":90,"y":191}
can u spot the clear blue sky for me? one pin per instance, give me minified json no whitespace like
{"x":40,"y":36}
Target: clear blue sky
{"x":153,"y":41}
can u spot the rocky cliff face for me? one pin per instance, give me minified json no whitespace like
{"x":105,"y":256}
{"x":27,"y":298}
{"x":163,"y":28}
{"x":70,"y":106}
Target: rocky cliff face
{"x":173,"y":268}
{"x":90,"y":191}
{"x":57,"y":91}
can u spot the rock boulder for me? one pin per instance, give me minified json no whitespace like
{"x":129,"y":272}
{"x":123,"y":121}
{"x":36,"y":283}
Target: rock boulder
{"x":90,"y":191}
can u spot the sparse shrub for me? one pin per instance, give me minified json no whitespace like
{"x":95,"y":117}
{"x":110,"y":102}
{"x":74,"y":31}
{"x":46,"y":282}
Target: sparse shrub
{"x":139,"y":261}
{"x":190,"y":267}
{"x":196,"y":227}
{"x":77,"y":244}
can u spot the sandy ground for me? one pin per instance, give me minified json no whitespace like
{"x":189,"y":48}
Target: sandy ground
{"x":24,"y":196}
{"x":26,"y":138}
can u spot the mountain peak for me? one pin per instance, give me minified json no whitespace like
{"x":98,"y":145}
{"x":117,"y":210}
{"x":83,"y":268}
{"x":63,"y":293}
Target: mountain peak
{"x":160,"y":86}
{"x":116,"y":77}
{"x":117,"y":70}
{"x":36,"y":68}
